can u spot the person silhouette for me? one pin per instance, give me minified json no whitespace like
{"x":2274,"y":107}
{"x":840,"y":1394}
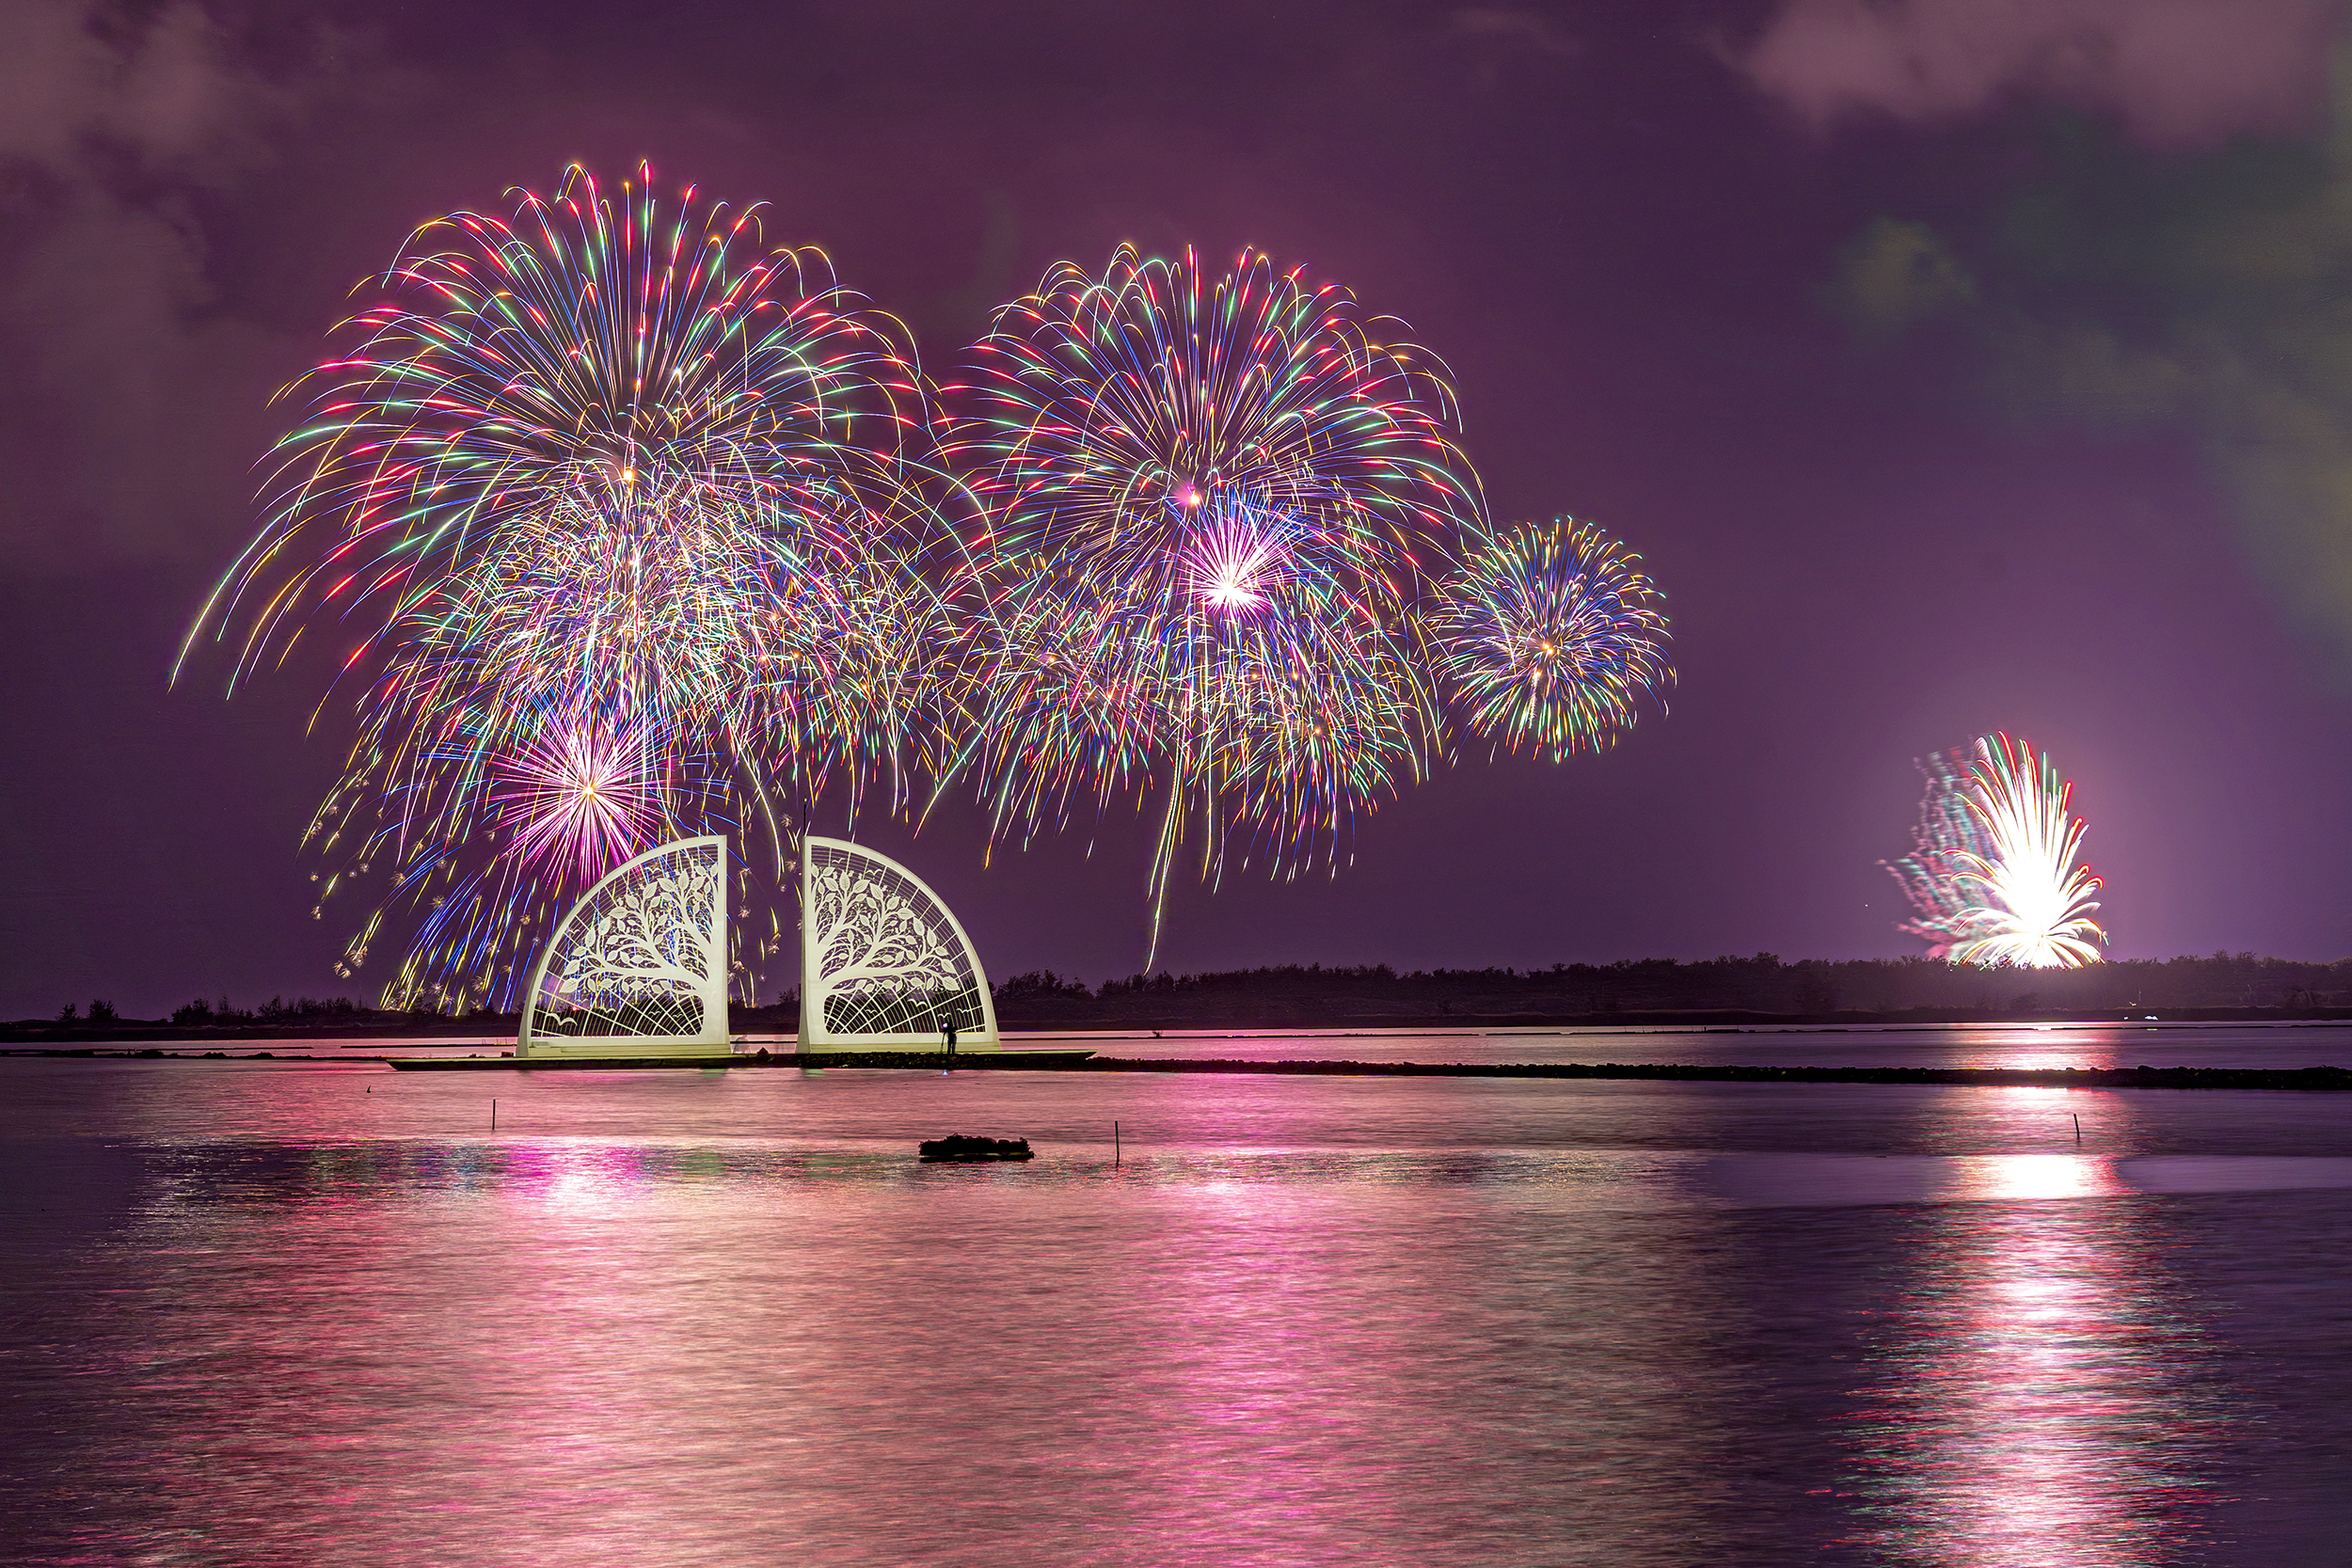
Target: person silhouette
{"x":949,"y":1030}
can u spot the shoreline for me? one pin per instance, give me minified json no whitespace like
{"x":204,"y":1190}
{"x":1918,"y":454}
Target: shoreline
{"x":499,"y":1028}
{"x":2324,"y":1079}
{"x":2306,"y":1080}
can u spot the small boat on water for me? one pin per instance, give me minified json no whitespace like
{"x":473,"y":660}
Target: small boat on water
{"x":960,"y":1148}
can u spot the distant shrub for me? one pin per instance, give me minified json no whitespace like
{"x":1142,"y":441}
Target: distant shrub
{"x":1761,"y":982}
{"x":305,"y":1009}
{"x":1040,"y":985}
{"x":101,"y":1011}
{"x":309,"y":1009}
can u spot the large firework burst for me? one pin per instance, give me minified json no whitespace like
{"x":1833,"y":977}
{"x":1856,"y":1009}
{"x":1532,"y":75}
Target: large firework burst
{"x":1213,"y":499}
{"x":630,"y":530}
{"x":1552,"y":638}
{"x":619,"y":512}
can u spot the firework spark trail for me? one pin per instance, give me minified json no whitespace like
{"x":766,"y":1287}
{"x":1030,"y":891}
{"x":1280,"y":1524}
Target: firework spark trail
{"x":649,"y":609}
{"x":1553,"y":637}
{"x":1930,"y":875}
{"x":607,"y":470}
{"x":1212,"y":501}
{"x":1997,"y":875}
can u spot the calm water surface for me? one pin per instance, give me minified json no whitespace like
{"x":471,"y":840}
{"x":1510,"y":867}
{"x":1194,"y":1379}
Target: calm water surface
{"x":2036,"y":1045}
{"x":270,"y":1312}
{"x":1974,"y":1045}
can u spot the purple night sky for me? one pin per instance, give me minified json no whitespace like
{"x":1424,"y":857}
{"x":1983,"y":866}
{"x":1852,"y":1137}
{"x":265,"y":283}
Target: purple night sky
{"x":1956,"y":366}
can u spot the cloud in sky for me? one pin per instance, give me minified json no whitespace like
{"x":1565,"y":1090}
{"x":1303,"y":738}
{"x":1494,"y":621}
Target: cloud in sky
{"x":118,"y":124}
{"x":2176,"y":73}
{"x":2127,"y":292}
{"x":1519,"y":29}
{"x":2172,"y":274}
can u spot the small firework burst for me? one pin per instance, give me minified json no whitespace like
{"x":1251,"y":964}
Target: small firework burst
{"x":582,"y":794}
{"x":1552,"y":638}
{"x":1234,"y":563}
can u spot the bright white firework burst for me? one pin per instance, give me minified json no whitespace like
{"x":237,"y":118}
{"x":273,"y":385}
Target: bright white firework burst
{"x":1235,"y":561}
{"x":1998,"y":876}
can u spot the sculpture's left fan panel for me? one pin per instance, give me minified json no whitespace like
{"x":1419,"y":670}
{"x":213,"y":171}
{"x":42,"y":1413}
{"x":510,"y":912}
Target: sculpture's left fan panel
{"x":639,"y":967}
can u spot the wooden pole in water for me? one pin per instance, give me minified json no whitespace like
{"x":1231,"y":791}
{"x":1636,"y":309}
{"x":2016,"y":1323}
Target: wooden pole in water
{"x":2079,"y":1127}
{"x":493,"y":1115}
{"x":1115,"y":1152}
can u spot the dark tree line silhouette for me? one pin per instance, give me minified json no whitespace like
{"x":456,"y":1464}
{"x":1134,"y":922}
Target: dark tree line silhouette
{"x":1326,"y":996}
{"x":1761,"y":982}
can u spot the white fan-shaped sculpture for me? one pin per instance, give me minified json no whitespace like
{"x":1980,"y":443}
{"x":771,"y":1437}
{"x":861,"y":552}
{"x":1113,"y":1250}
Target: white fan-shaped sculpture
{"x":884,"y":964}
{"x":639,"y":967}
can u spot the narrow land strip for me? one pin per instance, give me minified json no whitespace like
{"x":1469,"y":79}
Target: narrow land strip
{"x":2142,"y":1077}
{"x":2059,"y":1078}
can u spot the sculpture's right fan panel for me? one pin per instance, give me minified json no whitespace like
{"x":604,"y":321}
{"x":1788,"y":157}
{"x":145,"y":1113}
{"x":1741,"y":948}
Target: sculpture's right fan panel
{"x":886,"y":962}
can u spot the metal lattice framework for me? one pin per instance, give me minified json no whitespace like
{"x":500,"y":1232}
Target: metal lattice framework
{"x":883,"y":962}
{"x":639,"y":967}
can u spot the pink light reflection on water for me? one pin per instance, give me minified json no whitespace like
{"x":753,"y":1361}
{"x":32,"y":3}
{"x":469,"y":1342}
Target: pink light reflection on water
{"x":1992,"y":1178}
{"x":2039,"y":1394}
{"x":1241,"y":1346}
{"x":1324,"y":1390}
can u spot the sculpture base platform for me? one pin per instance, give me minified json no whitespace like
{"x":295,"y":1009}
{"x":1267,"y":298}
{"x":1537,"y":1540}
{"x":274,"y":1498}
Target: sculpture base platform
{"x":656,"y":1050}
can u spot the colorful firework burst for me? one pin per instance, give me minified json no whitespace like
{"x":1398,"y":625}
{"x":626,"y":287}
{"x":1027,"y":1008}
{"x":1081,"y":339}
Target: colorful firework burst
{"x":606,"y":475}
{"x":1210,"y":497}
{"x":1997,"y":877}
{"x":1552,"y":638}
